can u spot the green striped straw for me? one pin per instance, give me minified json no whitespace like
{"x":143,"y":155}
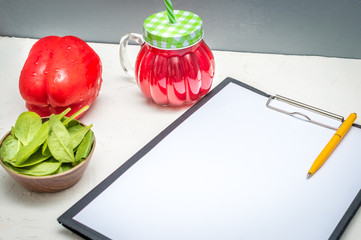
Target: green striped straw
{"x":169,"y":7}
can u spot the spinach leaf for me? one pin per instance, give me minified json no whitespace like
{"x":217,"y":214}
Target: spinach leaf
{"x":77,"y":134}
{"x":9,"y":148}
{"x":60,"y":116}
{"x":72,"y":123}
{"x":59,"y":141}
{"x":36,"y":158}
{"x":44,"y":168}
{"x":26,"y":126}
{"x":64,"y":167}
{"x":45,"y":150}
{"x":26,"y":151}
{"x":85,"y":146}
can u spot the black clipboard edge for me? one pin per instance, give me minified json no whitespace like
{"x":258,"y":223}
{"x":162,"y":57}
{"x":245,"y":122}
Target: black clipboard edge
{"x":347,"y":217}
{"x":66,"y":219}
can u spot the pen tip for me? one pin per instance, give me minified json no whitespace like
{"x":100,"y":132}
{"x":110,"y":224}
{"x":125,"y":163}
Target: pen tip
{"x":309,"y":175}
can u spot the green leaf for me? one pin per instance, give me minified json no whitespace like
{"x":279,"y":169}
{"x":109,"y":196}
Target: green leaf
{"x":26,"y":126}
{"x":26,"y":151}
{"x":9,"y":148}
{"x":77,"y":134}
{"x":59,"y":141}
{"x":36,"y":158}
{"x":44,"y":168}
{"x":85,"y":146}
{"x":12,"y":131}
{"x":72,"y":123}
{"x":45,"y":150}
{"x":65,"y":167}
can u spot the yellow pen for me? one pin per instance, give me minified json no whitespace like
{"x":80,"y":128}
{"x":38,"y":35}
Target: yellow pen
{"x":331,"y":145}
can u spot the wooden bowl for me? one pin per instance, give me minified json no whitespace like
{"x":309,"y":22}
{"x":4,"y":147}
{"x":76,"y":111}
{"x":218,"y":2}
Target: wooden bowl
{"x":51,"y":183}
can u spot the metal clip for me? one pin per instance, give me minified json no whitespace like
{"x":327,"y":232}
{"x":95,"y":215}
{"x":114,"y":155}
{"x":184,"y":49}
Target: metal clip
{"x":304,"y":106}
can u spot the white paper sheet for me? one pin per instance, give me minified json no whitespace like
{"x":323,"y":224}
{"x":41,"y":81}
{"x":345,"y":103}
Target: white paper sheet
{"x":233,"y":170}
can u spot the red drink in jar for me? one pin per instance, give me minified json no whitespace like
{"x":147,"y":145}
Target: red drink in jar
{"x":174,"y":66}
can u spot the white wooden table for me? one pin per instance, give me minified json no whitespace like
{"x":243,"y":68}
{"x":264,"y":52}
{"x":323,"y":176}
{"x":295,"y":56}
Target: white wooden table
{"x":124,"y":121}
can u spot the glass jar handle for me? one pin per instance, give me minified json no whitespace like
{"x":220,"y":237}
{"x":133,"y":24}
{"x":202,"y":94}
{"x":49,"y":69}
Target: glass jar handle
{"x":124,"y":60}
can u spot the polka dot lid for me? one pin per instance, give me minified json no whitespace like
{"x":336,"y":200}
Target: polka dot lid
{"x":160,"y":33}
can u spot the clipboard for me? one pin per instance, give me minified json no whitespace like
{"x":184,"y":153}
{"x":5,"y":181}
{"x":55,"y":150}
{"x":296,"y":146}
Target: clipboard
{"x":200,"y":178}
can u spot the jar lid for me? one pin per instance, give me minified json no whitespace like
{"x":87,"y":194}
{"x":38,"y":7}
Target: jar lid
{"x":160,"y":33}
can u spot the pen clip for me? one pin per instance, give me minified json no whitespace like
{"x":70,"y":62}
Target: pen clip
{"x":302,"y":116}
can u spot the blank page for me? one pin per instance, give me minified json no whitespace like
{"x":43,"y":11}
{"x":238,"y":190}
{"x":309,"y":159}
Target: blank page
{"x":234,"y":169}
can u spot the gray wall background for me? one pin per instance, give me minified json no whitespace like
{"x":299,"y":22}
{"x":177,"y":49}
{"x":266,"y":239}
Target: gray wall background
{"x":302,"y":27}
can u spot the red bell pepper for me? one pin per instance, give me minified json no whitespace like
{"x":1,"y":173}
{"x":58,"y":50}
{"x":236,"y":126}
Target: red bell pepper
{"x":60,"y":72}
